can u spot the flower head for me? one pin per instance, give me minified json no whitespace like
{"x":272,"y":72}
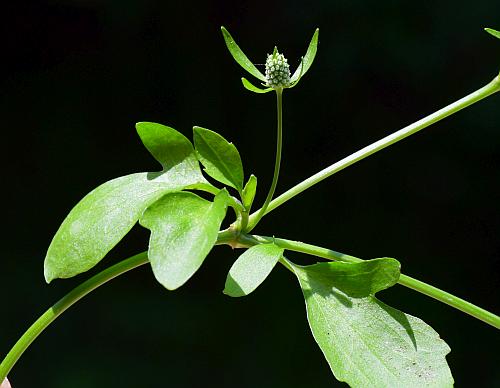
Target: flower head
{"x":277,"y":70}
{"x":278,"y":75}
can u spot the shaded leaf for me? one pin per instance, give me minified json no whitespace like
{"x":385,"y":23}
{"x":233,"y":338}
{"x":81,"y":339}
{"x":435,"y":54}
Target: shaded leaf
{"x":251,"y":269}
{"x":308,"y":58}
{"x":240,"y":57}
{"x":184,"y":228}
{"x":366,"y":342}
{"x":248,"y":194}
{"x":219,"y":157}
{"x":249,"y":86}
{"x":101,"y":219}
{"x":493,"y":32}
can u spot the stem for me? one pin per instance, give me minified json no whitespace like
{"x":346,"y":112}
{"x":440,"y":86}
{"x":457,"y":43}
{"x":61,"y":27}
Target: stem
{"x":485,"y":91}
{"x":253,"y":221}
{"x":63,"y":304}
{"x":405,"y":280}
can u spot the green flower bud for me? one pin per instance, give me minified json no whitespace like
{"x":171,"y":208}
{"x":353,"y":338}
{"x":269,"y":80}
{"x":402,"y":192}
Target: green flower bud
{"x":277,"y":70}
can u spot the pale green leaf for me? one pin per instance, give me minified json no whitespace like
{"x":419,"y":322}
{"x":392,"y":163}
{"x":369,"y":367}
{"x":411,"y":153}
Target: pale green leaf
{"x":366,"y":342}
{"x":248,"y":193}
{"x":184,"y":228}
{"x":493,"y":32}
{"x":219,"y":157}
{"x":249,"y":86}
{"x":240,"y":57}
{"x":103,"y":217}
{"x":308,"y":59}
{"x":251,"y":269}
{"x":100,"y":220}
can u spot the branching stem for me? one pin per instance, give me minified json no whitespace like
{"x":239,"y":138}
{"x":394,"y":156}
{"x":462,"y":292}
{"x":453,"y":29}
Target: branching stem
{"x":485,"y":91}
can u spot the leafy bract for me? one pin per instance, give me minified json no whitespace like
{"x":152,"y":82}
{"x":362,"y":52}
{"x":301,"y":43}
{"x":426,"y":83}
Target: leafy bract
{"x":219,"y":157}
{"x":249,"y":86}
{"x":366,"y":342}
{"x":240,"y":57}
{"x":308,"y":59}
{"x":101,"y":219}
{"x":493,"y":32}
{"x":248,"y":193}
{"x":251,"y":269}
{"x":184,"y":228}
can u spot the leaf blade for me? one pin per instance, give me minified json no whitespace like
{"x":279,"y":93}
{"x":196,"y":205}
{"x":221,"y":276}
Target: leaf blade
{"x":248,"y":193}
{"x":493,"y":32}
{"x":99,"y":221}
{"x":184,"y":229}
{"x":249,"y":86}
{"x":239,"y":56}
{"x":308,"y":58}
{"x":220,"y":158}
{"x":366,"y":342}
{"x":251,"y":269}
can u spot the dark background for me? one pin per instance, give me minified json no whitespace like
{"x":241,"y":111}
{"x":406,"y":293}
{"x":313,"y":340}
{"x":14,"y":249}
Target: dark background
{"x":79,"y":74}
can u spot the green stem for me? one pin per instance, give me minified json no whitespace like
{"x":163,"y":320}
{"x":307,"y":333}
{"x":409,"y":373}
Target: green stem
{"x":485,"y":91}
{"x":253,"y":221}
{"x":63,"y":304}
{"x":405,"y":280}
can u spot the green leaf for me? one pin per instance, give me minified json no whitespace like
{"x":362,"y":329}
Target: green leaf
{"x":251,"y":269}
{"x":308,"y":58}
{"x":366,"y":342}
{"x":248,"y":194}
{"x":248,"y":85}
{"x":101,"y":219}
{"x":300,"y":75}
{"x":219,"y":157}
{"x":184,"y":229}
{"x":239,"y":56}
{"x":493,"y":32}
{"x":172,"y":149}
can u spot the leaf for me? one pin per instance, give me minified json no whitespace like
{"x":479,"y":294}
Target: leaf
{"x":184,"y":229}
{"x":219,"y":157}
{"x":308,"y":58}
{"x":248,"y":85}
{"x":300,"y":75}
{"x":103,"y":217}
{"x":493,"y":32}
{"x":248,"y":194}
{"x":251,"y":269}
{"x":239,"y":56}
{"x":366,"y":342}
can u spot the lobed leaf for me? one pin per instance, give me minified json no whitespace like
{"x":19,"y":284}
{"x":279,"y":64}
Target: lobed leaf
{"x":239,"y":56}
{"x":308,"y":59}
{"x":219,"y":157}
{"x":249,"y":86}
{"x":366,"y":342}
{"x":248,"y":193}
{"x":103,"y":217}
{"x":251,"y":269}
{"x":184,"y":229}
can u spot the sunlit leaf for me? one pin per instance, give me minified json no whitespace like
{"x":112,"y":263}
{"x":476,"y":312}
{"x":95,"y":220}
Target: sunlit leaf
{"x":251,"y":269}
{"x":248,"y":194}
{"x":366,"y":342}
{"x":239,"y":56}
{"x":101,"y":219}
{"x":184,"y":228}
{"x":219,"y":157}
{"x":249,"y":86}
{"x":308,"y":58}
{"x":493,"y":32}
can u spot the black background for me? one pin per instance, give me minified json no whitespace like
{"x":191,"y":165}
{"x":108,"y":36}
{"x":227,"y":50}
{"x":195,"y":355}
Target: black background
{"x":79,"y":74}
